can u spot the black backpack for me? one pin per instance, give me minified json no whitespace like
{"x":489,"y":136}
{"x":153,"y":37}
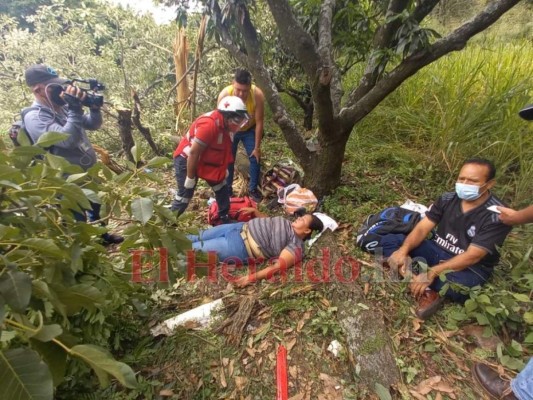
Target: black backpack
{"x":390,"y":220}
{"x":17,"y":128}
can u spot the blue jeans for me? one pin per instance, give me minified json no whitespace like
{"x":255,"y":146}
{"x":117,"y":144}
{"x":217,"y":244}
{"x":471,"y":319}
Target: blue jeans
{"x":225,"y":240}
{"x":522,"y":385}
{"x":248,"y":140}
{"x":431,"y":254}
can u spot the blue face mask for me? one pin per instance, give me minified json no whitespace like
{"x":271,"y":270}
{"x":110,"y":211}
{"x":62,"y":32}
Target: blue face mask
{"x":468,"y":192}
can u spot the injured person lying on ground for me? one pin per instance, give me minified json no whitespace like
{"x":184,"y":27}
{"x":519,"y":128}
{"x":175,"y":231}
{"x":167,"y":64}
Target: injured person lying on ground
{"x":262,"y":238}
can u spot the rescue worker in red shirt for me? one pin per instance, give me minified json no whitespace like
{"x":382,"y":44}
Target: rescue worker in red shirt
{"x":205,"y":152}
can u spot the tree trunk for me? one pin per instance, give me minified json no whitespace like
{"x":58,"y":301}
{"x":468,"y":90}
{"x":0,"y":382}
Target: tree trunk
{"x":323,"y":172}
{"x":124,"y":129}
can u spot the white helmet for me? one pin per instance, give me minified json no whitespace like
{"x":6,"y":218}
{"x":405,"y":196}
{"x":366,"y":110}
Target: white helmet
{"x":233,"y":106}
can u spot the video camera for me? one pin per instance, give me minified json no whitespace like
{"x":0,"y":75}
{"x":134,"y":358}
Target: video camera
{"x":92,"y":98}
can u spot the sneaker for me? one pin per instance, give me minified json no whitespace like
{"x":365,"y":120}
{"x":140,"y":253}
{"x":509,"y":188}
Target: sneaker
{"x":110,"y":238}
{"x":428,"y":304}
{"x":256,"y":195}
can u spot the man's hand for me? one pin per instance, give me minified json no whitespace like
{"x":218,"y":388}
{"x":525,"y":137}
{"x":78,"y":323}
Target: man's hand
{"x":509,"y":216}
{"x":244,"y":281}
{"x":73,"y":96}
{"x":419,"y":283}
{"x":399,"y":261}
{"x":256,"y":153}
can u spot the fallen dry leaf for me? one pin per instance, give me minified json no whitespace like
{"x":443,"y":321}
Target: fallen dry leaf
{"x":166,"y":393}
{"x":293,"y":371}
{"x":416,"y":324}
{"x":444,"y":386}
{"x":251,"y":352}
{"x":427,"y":385}
{"x":299,"y":396}
{"x":230,"y":368}
{"x":290,"y":345}
{"x":240,"y":382}
{"x":438,"y":396}
{"x":416,"y":395}
{"x":225,"y":361}
{"x":223,"y":378}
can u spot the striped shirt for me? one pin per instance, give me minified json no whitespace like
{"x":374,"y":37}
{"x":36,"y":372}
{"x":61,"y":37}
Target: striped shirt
{"x":274,"y":235}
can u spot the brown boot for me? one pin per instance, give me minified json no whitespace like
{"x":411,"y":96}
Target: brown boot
{"x":492,"y":383}
{"x":428,"y":304}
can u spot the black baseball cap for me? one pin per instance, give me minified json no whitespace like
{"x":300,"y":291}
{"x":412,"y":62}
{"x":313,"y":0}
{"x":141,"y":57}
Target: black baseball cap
{"x":527,"y":112}
{"x":40,"y":73}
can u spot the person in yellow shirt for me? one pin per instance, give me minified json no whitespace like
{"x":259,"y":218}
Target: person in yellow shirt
{"x":252,"y":133}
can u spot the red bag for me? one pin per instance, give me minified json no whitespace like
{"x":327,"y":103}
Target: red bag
{"x":236,"y":203}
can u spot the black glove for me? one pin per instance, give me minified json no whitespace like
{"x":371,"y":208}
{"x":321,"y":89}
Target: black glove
{"x":73,"y":102}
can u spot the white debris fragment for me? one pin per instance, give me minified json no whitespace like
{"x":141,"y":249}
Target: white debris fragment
{"x":334,"y":347}
{"x":200,"y":315}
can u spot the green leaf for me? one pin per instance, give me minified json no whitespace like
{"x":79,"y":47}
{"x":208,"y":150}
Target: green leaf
{"x":57,"y":162}
{"x":382,"y":392}
{"x":23,"y":375}
{"x":470,"y":305}
{"x":158,"y":161}
{"x":74,"y":193}
{"x":92,"y":196}
{"x":76,"y":177}
{"x":15,"y":287}
{"x":142,"y":209}
{"x":46,"y":246}
{"x":136,"y":153}
{"x":528,"y":339}
{"x":10,"y":184}
{"x":47,"y":333}
{"x":47,"y":139}
{"x":512,"y":363}
{"x":101,"y":361}
{"x":482,"y":319}
{"x":528,"y":317}
{"x":8,"y":232}
{"x":521,"y":297}
{"x":483,"y":299}
{"x":78,"y":296}
{"x":54,"y":356}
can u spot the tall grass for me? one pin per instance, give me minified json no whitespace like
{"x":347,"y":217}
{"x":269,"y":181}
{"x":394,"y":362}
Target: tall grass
{"x":466,"y":105}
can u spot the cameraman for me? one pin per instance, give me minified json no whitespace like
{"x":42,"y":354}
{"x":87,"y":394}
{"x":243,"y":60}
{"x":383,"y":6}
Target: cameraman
{"x":58,"y":108}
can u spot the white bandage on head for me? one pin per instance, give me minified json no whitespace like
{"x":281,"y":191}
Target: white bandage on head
{"x":190,"y":183}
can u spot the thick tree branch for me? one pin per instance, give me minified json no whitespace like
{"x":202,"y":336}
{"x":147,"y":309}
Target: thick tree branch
{"x":299,"y":42}
{"x":453,"y":42}
{"x":423,"y":9}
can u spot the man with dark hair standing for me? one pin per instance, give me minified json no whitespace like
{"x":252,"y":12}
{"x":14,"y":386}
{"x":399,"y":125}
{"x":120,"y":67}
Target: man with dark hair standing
{"x":58,"y":108}
{"x":465,"y":243}
{"x":252,"y":133}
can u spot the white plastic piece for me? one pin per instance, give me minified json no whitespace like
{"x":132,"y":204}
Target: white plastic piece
{"x":411,"y":205}
{"x":201,"y":315}
{"x":494,"y":209}
{"x":334,"y":348}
